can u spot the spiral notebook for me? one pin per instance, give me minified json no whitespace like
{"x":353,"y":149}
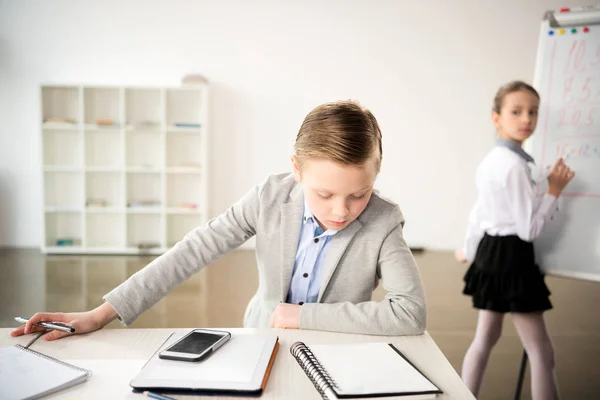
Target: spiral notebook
{"x":362,"y":370}
{"x":27,"y":374}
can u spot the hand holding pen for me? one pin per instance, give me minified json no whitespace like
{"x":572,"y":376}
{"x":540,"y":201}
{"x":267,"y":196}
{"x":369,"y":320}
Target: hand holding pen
{"x":59,"y":326}
{"x":64,"y":324}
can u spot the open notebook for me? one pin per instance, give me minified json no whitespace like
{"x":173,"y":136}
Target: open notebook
{"x":27,"y":374}
{"x":241,"y":366}
{"x":362,"y":370}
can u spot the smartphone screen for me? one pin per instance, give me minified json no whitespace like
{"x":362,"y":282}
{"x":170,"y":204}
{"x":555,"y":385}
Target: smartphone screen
{"x":195,"y":343}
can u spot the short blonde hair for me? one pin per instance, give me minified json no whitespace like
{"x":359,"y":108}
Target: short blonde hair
{"x":509,"y":88}
{"x":341,"y":131}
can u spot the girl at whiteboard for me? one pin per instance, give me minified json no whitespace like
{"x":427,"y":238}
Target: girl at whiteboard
{"x":324,"y":238}
{"x":507,"y":217}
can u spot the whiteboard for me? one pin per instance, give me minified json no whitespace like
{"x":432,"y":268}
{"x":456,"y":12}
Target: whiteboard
{"x":568,"y":78}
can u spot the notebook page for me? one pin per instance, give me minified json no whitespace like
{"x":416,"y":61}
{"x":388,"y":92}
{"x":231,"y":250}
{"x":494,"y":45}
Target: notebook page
{"x":370,"y":368}
{"x":24,"y":374}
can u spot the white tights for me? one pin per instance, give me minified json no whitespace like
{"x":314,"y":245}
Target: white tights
{"x":533,"y":333}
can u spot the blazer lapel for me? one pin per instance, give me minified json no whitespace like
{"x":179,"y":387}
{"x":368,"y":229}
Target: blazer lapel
{"x":337,"y":247}
{"x":291,"y":223}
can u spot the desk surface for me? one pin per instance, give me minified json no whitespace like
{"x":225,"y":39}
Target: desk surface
{"x":116,"y":355}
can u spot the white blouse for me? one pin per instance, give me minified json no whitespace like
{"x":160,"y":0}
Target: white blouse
{"x":509,"y":201}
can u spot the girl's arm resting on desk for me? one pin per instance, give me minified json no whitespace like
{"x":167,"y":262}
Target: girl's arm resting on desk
{"x":402,"y":312}
{"x":199,"y":248}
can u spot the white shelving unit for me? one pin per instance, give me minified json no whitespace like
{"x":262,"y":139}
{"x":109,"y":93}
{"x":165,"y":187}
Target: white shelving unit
{"x":124,"y":167}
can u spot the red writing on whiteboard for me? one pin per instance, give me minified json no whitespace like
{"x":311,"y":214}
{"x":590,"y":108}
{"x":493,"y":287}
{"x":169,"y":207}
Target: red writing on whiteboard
{"x":580,"y":59}
{"x":581,"y":89}
{"x":580,"y":150}
{"x":579,"y":117}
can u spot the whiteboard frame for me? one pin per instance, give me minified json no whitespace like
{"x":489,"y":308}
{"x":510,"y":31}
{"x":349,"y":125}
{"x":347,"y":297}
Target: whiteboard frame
{"x":588,"y":15}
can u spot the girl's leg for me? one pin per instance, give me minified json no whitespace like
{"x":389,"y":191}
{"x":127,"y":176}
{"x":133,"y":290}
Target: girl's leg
{"x":489,"y":330}
{"x":531,"y":328}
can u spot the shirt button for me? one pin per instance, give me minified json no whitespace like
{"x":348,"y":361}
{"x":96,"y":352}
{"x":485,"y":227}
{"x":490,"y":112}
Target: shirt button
{"x":305,"y":275}
{"x":300,"y":303}
{"x":316,"y":240}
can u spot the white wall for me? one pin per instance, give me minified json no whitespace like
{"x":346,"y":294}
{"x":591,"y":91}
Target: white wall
{"x":427,"y":69}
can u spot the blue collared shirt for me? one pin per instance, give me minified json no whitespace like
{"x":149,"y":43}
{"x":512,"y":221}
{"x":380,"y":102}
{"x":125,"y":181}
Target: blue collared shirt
{"x":310,"y":257}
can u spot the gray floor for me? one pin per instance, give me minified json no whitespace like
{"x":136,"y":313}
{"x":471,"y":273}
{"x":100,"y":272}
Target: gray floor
{"x":217,"y":296}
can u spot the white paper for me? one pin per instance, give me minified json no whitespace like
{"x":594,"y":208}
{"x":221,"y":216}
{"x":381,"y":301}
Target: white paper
{"x":370,"y":368}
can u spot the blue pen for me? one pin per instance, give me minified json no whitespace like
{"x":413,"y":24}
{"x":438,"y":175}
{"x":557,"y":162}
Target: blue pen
{"x":157,"y":396}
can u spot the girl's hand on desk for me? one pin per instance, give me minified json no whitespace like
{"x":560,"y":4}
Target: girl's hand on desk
{"x":286,"y":316}
{"x":83,"y":322}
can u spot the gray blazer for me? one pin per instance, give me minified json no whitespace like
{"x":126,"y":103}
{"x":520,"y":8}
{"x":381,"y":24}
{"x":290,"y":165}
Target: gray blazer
{"x":369,"y":249}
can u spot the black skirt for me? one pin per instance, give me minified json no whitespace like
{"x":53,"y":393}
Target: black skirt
{"x":505,"y":278}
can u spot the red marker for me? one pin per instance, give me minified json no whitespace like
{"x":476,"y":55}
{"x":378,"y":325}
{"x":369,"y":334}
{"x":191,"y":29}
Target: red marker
{"x":564,"y":9}
{"x":586,"y":29}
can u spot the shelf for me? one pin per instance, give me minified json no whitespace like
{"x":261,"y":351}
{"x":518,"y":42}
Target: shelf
{"x":184,"y":106}
{"x":125,"y":250}
{"x":183,"y":211}
{"x":144,"y":229}
{"x":105,"y":210}
{"x":184,"y":129}
{"x":180,"y":225}
{"x":102,"y":128}
{"x":61,"y":148}
{"x":103,"y":169}
{"x":105,"y":187}
{"x":144,"y":210}
{"x":184,"y":151}
{"x":144,"y":186}
{"x":184,"y":170}
{"x":114,"y":146}
{"x":63,"y":226}
{"x":64,"y":249}
{"x":62,"y":209}
{"x":63,"y":168}
{"x":103,"y":149}
{"x":60,"y":103}
{"x":105,"y":230}
{"x":101,"y":104}
{"x":184,"y":189}
{"x":63,"y":189}
{"x":143,"y":170}
{"x":144,"y":149}
{"x":143,"y":107}
{"x":148,"y":128}
{"x":60,"y":126}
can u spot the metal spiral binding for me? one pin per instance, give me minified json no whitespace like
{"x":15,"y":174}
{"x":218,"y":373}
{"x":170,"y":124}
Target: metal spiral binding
{"x":313,"y":368}
{"x":88,"y":372}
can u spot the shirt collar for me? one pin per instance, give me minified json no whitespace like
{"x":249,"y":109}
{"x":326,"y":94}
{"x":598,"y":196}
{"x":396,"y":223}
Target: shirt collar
{"x":309,"y":216}
{"x":516,"y":148}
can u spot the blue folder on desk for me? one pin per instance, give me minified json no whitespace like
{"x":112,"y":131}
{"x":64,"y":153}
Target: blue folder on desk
{"x":241,"y":367}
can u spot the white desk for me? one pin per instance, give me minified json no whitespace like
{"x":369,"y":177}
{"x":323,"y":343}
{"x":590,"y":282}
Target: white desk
{"x":116,"y":355}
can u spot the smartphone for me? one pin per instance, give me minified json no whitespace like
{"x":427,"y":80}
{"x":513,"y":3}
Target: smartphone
{"x":196,"y":345}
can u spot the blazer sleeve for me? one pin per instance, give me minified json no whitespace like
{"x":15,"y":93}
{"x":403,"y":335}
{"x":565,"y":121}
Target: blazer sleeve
{"x":402,"y":312}
{"x":198,"y":248}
